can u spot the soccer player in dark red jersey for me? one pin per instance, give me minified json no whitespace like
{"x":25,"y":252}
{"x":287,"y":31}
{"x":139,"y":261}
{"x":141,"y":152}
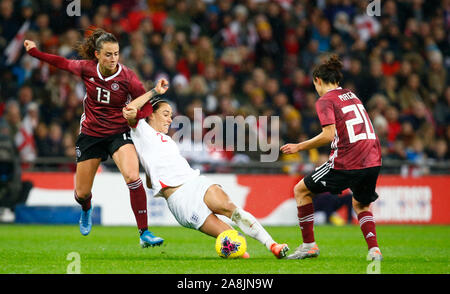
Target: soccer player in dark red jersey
{"x":103,"y":130}
{"x":354,"y":162}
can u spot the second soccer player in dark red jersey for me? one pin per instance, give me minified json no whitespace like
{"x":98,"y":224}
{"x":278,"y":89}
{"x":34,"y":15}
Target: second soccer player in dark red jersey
{"x":354,"y":162}
{"x":103,"y":130}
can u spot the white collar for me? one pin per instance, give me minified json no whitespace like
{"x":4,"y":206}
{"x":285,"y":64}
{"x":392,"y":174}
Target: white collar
{"x":338,"y":88}
{"x":110,"y":77}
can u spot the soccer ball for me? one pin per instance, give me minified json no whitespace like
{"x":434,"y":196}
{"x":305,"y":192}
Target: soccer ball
{"x":231,"y":244}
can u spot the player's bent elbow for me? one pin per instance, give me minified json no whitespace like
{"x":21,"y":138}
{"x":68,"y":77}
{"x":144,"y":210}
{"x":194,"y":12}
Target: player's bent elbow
{"x":330,"y":138}
{"x":328,"y":133}
{"x":326,"y":138}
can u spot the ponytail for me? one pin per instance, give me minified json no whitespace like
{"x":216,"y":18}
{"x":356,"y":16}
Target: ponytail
{"x":94,"y":42}
{"x":329,"y":71}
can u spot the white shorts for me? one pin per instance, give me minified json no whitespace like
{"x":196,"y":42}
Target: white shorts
{"x":187,"y":205}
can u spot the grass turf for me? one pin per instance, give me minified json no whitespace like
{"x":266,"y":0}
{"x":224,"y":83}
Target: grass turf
{"x":115,"y":250}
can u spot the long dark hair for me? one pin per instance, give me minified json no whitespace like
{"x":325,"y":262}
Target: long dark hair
{"x":94,"y":42}
{"x":329,"y":71}
{"x":157,"y":103}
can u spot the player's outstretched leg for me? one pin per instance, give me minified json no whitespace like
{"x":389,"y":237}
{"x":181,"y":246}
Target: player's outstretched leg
{"x":250,"y":226}
{"x":218,"y":201}
{"x":213,"y":226}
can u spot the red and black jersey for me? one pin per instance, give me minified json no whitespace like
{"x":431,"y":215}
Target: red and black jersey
{"x":105,"y":96}
{"x":355,"y":144}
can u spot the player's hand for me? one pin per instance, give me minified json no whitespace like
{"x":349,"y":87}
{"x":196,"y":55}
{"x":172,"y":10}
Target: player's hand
{"x":129,"y":112}
{"x":161,"y":86}
{"x":29,"y":45}
{"x":290,"y":148}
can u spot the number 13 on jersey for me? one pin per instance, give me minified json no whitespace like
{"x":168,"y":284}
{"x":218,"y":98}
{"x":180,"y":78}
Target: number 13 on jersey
{"x":103,"y":95}
{"x":361,"y":116}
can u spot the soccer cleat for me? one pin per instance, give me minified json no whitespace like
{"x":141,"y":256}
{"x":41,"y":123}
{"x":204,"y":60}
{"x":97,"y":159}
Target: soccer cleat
{"x":245,"y":255}
{"x":86,"y":222}
{"x":148,"y":239}
{"x":279,"y":250}
{"x":375,"y":254}
{"x":305,"y":251}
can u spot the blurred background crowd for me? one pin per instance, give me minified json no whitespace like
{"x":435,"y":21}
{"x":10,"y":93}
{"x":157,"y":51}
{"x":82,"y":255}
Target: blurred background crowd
{"x":231,"y":57}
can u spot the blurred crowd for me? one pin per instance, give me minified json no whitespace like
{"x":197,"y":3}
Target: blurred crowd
{"x":231,"y":57}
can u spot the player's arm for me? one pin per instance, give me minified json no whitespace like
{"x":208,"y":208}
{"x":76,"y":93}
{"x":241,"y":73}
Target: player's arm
{"x":55,"y":60}
{"x":161,"y":87}
{"x":140,"y":108}
{"x":324,"y":138}
{"x":130,"y":113}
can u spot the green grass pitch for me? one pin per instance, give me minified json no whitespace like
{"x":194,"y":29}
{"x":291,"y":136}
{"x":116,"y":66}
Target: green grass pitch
{"x":41,"y":249}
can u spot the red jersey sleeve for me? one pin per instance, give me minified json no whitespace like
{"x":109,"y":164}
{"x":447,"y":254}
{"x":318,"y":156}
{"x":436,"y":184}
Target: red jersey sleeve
{"x":325,"y":111}
{"x":72,"y":66}
{"x":145,"y":111}
{"x":136,"y":88}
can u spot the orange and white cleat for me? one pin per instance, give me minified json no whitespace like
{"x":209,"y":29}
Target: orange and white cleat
{"x":305,"y":251}
{"x":245,"y":255}
{"x":279,"y":250}
{"x":374,"y":254}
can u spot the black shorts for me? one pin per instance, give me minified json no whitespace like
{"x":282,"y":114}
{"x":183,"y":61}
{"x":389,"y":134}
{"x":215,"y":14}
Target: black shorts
{"x":88,"y":147}
{"x":362,"y":182}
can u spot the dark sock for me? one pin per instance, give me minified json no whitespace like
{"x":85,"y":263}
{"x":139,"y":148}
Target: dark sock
{"x":84,"y":202}
{"x":138,"y":200}
{"x":367,"y":224}
{"x":306,"y":222}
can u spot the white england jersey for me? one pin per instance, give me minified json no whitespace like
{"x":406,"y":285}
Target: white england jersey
{"x":160,"y":157}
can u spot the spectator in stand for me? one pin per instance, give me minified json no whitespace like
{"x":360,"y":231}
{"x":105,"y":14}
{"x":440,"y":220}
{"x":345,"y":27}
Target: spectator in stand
{"x":41,"y":140}
{"x":55,"y":137}
{"x":189,"y":64}
{"x":394,"y":126}
{"x":298,"y":88}
{"x":389,"y":90}
{"x":439,"y":151}
{"x":25,"y":97}
{"x":13,"y":118}
{"x":24,"y":139}
{"x":411,"y":92}
{"x":268,"y":53}
{"x":390,"y":65}
{"x":441,"y":111}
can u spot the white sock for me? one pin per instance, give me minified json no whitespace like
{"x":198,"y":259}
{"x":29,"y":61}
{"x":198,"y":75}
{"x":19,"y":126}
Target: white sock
{"x":250,"y":226}
{"x":309,"y":245}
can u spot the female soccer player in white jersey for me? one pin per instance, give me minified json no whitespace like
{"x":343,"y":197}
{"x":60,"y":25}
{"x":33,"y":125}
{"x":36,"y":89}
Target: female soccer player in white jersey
{"x":192,"y":198}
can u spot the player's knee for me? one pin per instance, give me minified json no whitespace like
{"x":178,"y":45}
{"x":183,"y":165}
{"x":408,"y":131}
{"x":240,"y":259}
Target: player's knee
{"x":228,"y":208}
{"x":131,"y":177}
{"x":359,"y":207}
{"x":82,"y":193}
{"x":300,"y":191}
{"x":224,"y":205}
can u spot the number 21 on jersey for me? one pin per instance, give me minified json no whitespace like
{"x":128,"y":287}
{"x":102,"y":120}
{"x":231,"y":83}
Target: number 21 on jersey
{"x":361,"y":116}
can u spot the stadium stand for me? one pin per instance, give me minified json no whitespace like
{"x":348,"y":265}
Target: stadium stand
{"x":239,"y":58}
